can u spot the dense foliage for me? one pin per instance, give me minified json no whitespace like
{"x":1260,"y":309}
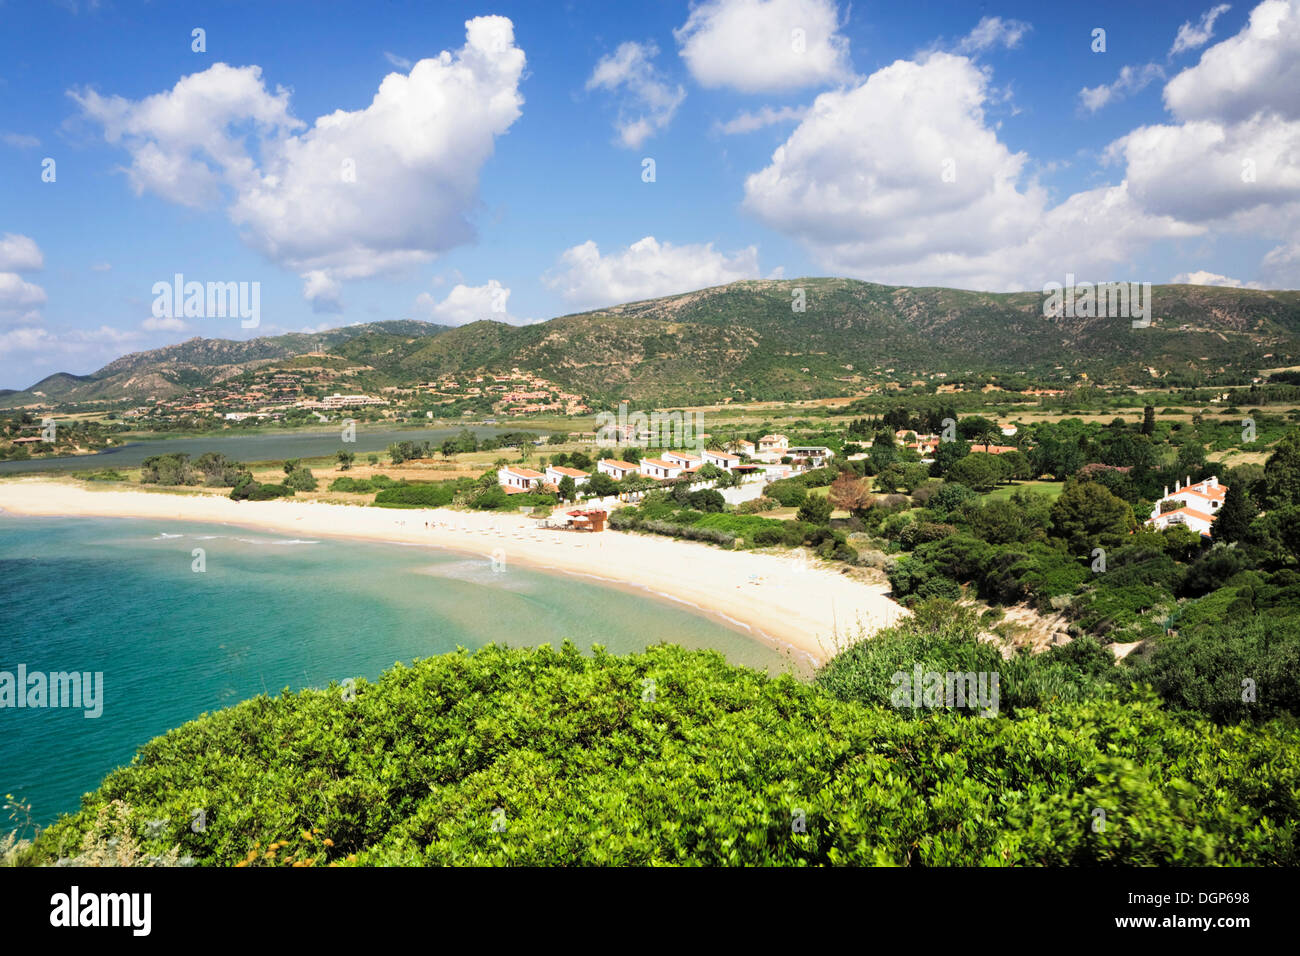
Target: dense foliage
{"x":553,"y":757}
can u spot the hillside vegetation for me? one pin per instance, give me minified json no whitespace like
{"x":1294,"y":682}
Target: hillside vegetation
{"x":746,"y":341}
{"x":553,"y":757}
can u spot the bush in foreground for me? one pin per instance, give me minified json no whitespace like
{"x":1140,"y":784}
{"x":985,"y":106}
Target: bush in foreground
{"x":553,"y":757}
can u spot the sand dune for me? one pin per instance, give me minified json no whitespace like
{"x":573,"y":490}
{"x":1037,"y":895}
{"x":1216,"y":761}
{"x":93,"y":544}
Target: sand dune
{"x":801,"y":605}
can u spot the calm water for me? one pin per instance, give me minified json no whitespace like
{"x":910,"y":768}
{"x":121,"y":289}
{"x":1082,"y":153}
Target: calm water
{"x":120,"y":596}
{"x":271,"y":446}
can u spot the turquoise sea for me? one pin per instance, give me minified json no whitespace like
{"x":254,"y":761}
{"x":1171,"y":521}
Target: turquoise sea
{"x":121,"y":597}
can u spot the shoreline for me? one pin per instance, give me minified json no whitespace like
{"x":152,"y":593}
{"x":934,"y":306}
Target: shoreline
{"x":804,"y":608}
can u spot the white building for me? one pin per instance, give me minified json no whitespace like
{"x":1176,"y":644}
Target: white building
{"x":658,"y":468}
{"x":1198,"y":505}
{"x":520,"y":479}
{"x":687,"y":461}
{"x":556,"y":473}
{"x":721,"y":459}
{"x":815,"y":455}
{"x":773,"y":445}
{"x":618,"y":470}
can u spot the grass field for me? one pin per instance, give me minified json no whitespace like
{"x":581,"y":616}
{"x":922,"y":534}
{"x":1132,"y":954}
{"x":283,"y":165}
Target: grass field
{"x":1050,"y":488}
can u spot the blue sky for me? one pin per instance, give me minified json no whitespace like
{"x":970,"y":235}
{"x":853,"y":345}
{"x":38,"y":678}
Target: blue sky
{"x":978,"y":145}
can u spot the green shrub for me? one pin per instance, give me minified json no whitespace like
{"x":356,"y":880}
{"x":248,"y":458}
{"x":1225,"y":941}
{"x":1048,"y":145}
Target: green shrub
{"x":577,"y":767}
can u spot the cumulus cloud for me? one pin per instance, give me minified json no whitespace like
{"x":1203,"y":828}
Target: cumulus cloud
{"x":1131,"y":79}
{"x":746,"y":121}
{"x":645,"y":270}
{"x":1202,"y":277}
{"x":465,"y":304}
{"x":20,"y":300}
{"x":902,"y":179}
{"x":1258,"y":69}
{"x":323,"y":292}
{"x":19,"y":253}
{"x":1193,"y":37}
{"x":648,"y":101}
{"x":156,"y":324}
{"x":764,"y":46}
{"x":356,"y":193}
{"x":993,"y":32}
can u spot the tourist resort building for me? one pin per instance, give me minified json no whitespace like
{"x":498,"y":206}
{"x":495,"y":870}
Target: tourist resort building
{"x":514,"y":478}
{"x":811,"y":456}
{"x":1195,"y":506}
{"x":685,"y":461}
{"x":658,"y":468}
{"x":721,"y":459}
{"x":557,"y":473}
{"x":618,"y":470}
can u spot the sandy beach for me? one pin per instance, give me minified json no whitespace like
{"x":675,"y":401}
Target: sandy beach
{"x":802,"y":605}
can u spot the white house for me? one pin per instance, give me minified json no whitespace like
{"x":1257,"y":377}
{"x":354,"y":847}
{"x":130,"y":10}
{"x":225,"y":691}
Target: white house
{"x":687,"y":461}
{"x":618,"y":470}
{"x":1198,"y":505}
{"x":773,"y":445}
{"x":721,"y":459}
{"x":816,"y":455}
{"x":520,"y":479}
{"x":658,"y":468}
{"x":557,"y":473}
{"x":744,"y":446}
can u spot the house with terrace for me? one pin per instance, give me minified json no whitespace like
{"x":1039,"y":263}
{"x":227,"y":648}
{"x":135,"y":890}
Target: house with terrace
{"x":1193,"y":505}
{"x":557,"y":473}
{"x":616,"y":469}
{"x":515,"y":479}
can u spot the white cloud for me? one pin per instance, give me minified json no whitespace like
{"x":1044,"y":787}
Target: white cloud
{"x":19,"y":253}
{"x":104,"y":341}
{"x":902,"y":180}
{"x":757,"y":46}
{"x":1131,"y":79}
{"x":20,"y":300}
{"x":1193,"y":37}
{"x":991,"y":32}
{"x":1258,"y":69}
{"x":355,"y":194}
{"x":645,"y":270}
{"x":465,"y":304}
{"x":1281,"y":266}
{"x":19,"y":140}
{"x":324,"y":293}
{"x":401,"y":62}
{"x":746,"y":121}
{"x":648,"y":99}
{"x":1201,"y":277}
{"x":102,"y":267}
{"x":156,"y":324}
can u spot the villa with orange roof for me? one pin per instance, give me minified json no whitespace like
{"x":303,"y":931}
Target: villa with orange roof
{"x":686,"y":461}
{"x":557,"y":473}
{"x":616,"y":469}
{"x":721,"y":459}
{"x":515,"y":479}
{"x":1198,"y":505}
{"x":658,"y":468}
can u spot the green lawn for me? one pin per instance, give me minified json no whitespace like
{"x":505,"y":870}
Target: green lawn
{"x":1050,"y":488}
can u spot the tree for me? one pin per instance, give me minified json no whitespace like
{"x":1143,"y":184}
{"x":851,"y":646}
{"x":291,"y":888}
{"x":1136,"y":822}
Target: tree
{"x":1282,"y":473}
{"x":601,"y":485}
{"x":346,"y":458}
{"x":977,"y":470}
{"x":947,"y":455}
{"x":816,"y":509}
{"x":567,"y":488}
{"x":1148,"y":420}
{"x":1234,"y":518}
{"x":1087,"y":515}
{"x":851,"y":493}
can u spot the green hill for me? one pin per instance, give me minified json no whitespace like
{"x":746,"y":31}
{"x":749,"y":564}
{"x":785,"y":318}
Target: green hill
{"x":745,"y":341}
